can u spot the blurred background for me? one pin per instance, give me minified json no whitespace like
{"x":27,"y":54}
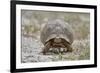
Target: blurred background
{"x":33,"y":21}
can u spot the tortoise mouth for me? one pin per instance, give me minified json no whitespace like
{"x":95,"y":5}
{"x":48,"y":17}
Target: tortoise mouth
{"x":58,"y":45}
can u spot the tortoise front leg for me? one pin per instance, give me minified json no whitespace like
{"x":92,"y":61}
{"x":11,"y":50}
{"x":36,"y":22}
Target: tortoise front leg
{"x":46,"y":48}
{"x":68,"y":47}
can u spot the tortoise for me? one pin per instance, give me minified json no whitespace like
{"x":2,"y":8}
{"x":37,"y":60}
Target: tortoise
{"x":56,"y":34}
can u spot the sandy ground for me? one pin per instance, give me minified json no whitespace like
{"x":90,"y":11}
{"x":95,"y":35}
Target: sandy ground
{"x":31,"y":51}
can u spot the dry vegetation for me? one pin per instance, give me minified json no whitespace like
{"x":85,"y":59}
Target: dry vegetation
{"x":33,"y":21}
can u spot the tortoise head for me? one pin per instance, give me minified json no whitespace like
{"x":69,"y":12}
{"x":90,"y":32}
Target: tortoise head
{"x":57,"y":40}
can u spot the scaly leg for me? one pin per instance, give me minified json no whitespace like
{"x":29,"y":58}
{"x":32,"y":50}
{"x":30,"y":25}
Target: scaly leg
{"x":68,"y":47}
{"x":46,"y":48}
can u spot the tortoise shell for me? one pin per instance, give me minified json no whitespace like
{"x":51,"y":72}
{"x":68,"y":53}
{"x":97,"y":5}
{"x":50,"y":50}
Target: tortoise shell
{"x":56,"y":28}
